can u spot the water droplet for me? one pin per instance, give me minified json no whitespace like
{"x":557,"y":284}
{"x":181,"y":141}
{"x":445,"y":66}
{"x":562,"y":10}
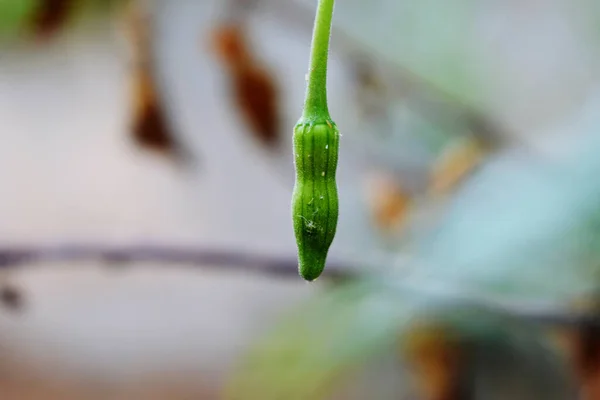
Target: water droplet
{"x":326,"y":147}
{"x":323,"y":173}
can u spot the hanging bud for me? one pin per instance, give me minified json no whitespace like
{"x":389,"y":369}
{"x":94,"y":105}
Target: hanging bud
{"x":316,"y":146}
{"x":315,"y":199}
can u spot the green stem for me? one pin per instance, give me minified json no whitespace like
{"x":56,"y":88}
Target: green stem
{"x":315,"y":105}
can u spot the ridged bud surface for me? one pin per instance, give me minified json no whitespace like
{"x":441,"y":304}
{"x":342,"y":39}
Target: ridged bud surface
{"x":315,"y":199}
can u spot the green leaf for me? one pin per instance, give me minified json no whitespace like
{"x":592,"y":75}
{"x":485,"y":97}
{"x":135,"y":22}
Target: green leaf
{"x":427,"y":38}
{"x":14,"y":15}
{"x":519,"y":230}
{"x":317,"y":344}
{"x":315,"y":348}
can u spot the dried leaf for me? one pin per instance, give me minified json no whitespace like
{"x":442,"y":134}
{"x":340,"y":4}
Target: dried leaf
{"x":252,"y":87}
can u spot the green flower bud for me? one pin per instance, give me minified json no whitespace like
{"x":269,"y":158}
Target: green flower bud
{"x":315,"y":198}
{"x":316,"y":146}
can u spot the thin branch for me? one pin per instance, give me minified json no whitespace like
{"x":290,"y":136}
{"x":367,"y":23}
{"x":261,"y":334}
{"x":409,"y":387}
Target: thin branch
{"x":222,"y":260}
{"x":286,"y":267}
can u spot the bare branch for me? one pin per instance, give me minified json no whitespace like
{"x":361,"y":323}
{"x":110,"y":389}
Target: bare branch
{"x":16,"y":256}
{"x":13,"y":257}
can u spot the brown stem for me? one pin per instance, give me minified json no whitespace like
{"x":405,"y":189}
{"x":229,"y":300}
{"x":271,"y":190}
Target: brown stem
{"x":13,"y":257}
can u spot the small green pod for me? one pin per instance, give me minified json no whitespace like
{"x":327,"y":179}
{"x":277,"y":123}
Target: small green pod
{"x":316,"y":146}
{"x":315,"y":199}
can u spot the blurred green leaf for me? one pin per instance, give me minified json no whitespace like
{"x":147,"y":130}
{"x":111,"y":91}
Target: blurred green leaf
{"x":519,"y":230}
{"x":428,"y":39}
{"x":14,"y":15}
{"x":316,"y":347}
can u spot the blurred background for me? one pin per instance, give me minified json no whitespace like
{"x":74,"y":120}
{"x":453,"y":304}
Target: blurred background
{"x":146,"y":172}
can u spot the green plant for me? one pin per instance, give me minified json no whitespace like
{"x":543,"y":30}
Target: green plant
{"x":316,"y":147}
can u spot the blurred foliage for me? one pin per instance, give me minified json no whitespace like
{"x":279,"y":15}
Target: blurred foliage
{"x":518,"y":239}
{"x":323,"y":343}
{"x":14,"y":15}
{"x":436,"y":42}
{"x":416,"y":36}
{"x":17,"y":16}
{"x":515,"y":225}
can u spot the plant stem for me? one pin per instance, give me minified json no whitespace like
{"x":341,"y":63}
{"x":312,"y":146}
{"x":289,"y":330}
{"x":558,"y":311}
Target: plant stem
{"x":315,"y":105}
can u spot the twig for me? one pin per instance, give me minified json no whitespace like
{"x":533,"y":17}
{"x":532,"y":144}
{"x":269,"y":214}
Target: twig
{"x":224,"y":260}
{"x":13,"y":257}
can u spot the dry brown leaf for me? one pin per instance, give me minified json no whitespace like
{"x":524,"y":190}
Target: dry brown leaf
{"x":253,"y":88}
{"x":454,"y":165}
{"x":389,"y":203}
